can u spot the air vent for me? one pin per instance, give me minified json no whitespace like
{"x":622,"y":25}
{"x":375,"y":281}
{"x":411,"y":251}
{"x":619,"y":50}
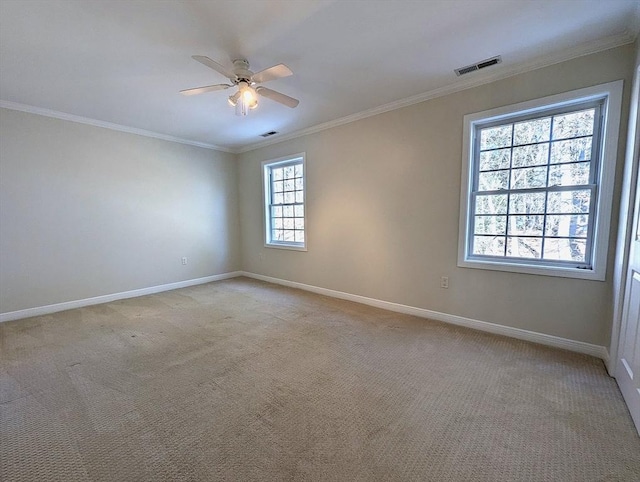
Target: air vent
{"x":268,"y":134}
{"x":480,"y":65}
{"x":466,"y":70}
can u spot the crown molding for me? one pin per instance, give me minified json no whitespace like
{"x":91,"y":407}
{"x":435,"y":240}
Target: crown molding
{"x":107,"y":125}
{"x":476,"y":80}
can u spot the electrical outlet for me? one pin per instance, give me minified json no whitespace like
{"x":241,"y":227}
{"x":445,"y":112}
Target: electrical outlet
{"x":184,"y":260}
{"x":444,"y":282}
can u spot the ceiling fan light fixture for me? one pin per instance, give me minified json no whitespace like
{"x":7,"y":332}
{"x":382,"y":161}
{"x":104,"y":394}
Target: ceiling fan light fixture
{"x":243,"y":106}
{"x":249,"y":100}
{"x":233,"y":99}
{"x":245,"y":99}
{"x":249,"y":95}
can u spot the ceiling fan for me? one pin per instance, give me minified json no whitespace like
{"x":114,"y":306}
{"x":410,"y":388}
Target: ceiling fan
{"x":247,"y":95}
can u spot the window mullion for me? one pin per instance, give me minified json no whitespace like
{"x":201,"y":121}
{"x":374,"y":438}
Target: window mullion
{"x":546,"y":195}
{"x":271,"y":220}
{"x":507,"y":220}
{"x":471,"y":225}
{"x":596,"y":165}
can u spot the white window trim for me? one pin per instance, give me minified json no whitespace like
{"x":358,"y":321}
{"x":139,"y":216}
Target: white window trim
{"x":266,"y":216}
{"x":612,"y":92}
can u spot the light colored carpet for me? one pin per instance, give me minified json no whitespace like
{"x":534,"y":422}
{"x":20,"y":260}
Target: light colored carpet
{"x":243,"y":380}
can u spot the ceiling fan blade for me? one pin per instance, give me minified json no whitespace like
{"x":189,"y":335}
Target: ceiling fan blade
{"x":272,"y":73}
{"x":207,"y":88}
{"x":212,"y":64}
{"x":278,"y":97}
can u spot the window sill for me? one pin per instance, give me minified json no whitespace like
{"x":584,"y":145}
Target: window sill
{"x":292,"y":247}
{"x":586,"y":274}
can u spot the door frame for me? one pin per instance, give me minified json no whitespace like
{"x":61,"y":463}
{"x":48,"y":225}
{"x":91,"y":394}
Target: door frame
{"x":627,"y":222}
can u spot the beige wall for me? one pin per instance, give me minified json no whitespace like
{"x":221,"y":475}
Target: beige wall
{"x":86,"y":211}
{"x":383,"y":208}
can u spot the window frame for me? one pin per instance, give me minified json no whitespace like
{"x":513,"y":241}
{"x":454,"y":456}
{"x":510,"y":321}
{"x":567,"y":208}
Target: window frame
{"x":294,"y":159}
{"x":610,"y":94}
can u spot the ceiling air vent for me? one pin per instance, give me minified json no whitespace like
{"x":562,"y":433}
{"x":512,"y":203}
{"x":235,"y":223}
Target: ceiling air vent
{"x":268,"y":134}
{"x":480,"y":65}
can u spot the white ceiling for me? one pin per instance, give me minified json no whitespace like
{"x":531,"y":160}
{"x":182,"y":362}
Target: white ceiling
{"x":123,"y":62}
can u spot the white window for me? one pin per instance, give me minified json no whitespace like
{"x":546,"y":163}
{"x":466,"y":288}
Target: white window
{"x":537,"y":184}
{"x":284,"y":187}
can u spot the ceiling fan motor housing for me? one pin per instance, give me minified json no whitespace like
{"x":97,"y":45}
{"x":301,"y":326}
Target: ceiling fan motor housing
{"x":241,"y":69}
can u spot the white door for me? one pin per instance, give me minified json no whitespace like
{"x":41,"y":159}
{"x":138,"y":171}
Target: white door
{"x":627,"y":370}
{"x":628,"y":366}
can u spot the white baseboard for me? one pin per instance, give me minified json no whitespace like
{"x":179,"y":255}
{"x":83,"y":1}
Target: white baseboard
{"x":68,"y":305}
{"x":541,"y":338}
{"x":609,"y":363}
{"x":549,"y":340}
